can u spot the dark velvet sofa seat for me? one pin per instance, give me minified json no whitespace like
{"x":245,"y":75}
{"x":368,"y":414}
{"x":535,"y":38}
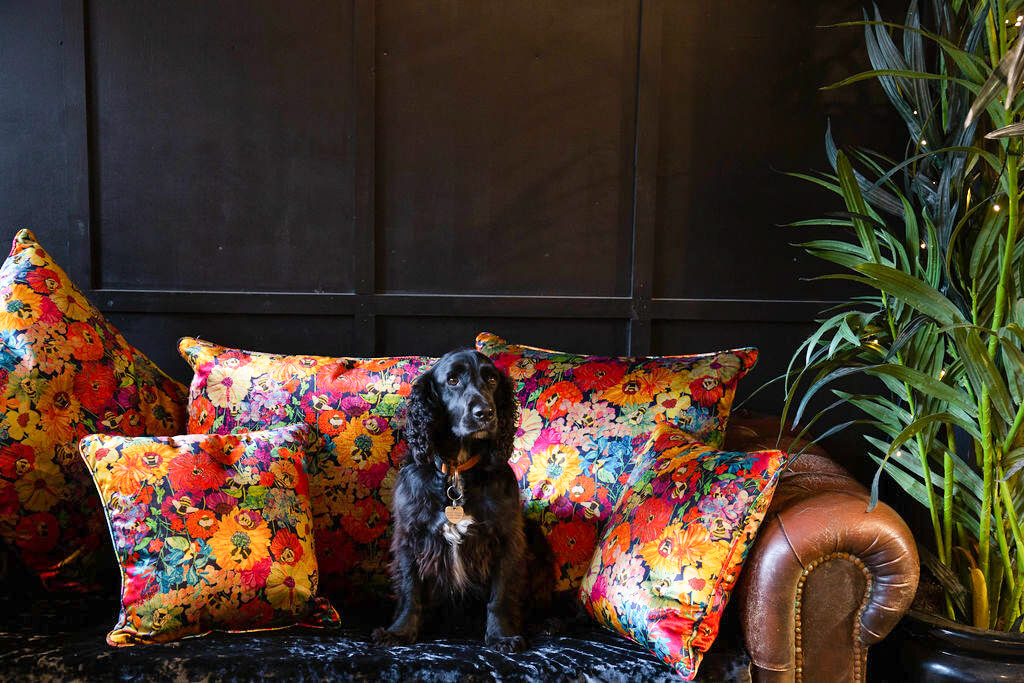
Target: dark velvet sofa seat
{"x":824,"y":580}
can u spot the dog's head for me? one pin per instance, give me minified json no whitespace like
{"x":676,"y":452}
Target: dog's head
{"x":464,"y":396}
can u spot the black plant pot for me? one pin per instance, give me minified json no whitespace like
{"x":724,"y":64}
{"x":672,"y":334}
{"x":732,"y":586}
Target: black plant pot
{"x":924,"y":647}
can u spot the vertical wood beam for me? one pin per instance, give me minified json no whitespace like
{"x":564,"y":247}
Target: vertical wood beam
{"x":645,"y":175}
{"x":364,"y":33}
{"x":76,"y":130}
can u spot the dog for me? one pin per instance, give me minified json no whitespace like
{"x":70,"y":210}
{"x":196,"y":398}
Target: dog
{"x":458,"y":539}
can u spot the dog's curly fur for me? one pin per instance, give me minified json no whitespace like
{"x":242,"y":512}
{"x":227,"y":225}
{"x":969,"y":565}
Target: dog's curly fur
{"x":485,"y":563}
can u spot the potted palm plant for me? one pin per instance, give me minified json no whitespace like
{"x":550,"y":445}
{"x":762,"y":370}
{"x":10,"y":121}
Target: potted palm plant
{"x":933,"y":241}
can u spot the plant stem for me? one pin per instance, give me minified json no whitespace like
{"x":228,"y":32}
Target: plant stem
{"x":947,"y":494}
{"x":988,"y":463}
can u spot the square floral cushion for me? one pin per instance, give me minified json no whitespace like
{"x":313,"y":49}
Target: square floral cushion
{"x":673,"y":548}
{"x":65,"y":372}
{"x":357,"y":406}
{"x":211,"y":532}
{"x":582,"y":418}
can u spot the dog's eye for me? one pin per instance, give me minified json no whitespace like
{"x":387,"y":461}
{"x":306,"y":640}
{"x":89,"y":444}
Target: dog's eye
{"x":453,"y":381}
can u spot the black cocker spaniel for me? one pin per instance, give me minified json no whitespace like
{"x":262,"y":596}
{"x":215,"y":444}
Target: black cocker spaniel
{"x":458,"y":539}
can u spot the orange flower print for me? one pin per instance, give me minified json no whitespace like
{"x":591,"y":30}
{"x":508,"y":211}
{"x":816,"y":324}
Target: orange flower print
{"x":85,"y":343}
{"x":127,"y":473}
{"x":639,"y":386}
{"x":615,"y":543}
{"x":43,"y":280}
{"x":342,"y":378}
{"x":20,"y":308}
{"x":366,"y":442}
{"x":59,"y":408}
{"x":331,"y":422}
{"x":366,"y":520}
{"x":238,"y":548}
{"x":598,"y":375}
{"x":201,"y":415}
{"x":522,"y":368}
{"x":582,"y":489}
{"x":555,"y":401}
{"x":650,"y":518}
{"x":195,"y":472}
{"x":573,"y":542}
{"x":202,"y":524}
{"x":707,"y":390}
{"x":286,"y":547}
{"x":554,"y":469}
{"x":16,"y":459}
{"x":95,"y":385}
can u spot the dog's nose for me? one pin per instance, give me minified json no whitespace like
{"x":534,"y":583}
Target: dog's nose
{"x":483,"y":412}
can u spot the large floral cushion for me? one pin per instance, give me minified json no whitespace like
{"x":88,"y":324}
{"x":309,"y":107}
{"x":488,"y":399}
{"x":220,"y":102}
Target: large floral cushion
{"x":210,"y":531}
{"x":582,"y":419}
{"x":357,"y":406}
{"x":65,"y":372}
{"x":673,"y":548}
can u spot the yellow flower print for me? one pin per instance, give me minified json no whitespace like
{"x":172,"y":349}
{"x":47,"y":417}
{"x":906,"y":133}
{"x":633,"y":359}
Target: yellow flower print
{"x":22,"y":424}
{"x":366,"y":441}
{"x":236,"y":547}
{"x":680,"y":545}
{"x":530,"y":426}
{"x":227,"y":386}
{"x":59,"y":409}
{"x":554,"y":469}
{"x":521,"y":369}
{"x":20,"y":308}
{"x":70,"y":301}
{"x":288,"y":588}
{"x":639,"y":386}
{"x":39,"y":488}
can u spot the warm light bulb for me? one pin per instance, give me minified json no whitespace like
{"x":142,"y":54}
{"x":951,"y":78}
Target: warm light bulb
{"x":996,"y":207}
{"x":924,"y":245}
{"x":942,"y":373}
{"x":898,"y":454}
{"x":924,"y":143}
{"x":915,"y":112}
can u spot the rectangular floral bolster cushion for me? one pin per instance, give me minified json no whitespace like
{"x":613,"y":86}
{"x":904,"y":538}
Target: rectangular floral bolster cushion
{"x":65,"y":372}
{"x":672,"y":550}
{"x":582,"y":420}
{"x":211,"y":532}
{"x":357,"y":406}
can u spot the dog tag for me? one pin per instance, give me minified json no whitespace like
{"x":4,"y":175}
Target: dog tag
{"x":454,"y":514}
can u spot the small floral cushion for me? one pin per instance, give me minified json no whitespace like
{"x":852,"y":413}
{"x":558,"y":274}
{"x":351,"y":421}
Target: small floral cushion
{"x":211,"y":532}
{"x":357,"y":406}
{"x":582,"y":418}
{"x":673,"y":548}
{"x":64,"y":372}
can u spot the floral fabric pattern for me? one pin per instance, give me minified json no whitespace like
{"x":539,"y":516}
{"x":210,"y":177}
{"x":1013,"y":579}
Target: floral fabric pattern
{"x":65,"y":372}
{"x":211,"y":532}
{"x":672,"y":550}
{"x":357,"y":407}
{"x":582,"y":419}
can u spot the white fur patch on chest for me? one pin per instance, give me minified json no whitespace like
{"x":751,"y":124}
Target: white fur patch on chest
{"x":454,"y":533}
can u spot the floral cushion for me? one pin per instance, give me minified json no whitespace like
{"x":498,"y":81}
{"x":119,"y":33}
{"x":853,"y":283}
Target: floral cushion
{"x":357,"y":406}
{"x":672,"y":550}
{"x":211,"y":532}
{"x":64,"y":372}
{"x":582,"y":418}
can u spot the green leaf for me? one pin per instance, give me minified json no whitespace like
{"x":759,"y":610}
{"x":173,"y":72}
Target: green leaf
{"x":982,"y":371}
{"x":179,"y":543}
{"x":922,"y":423}
{"x":855,"y":204}
{"x":926,"y":385}
{"x":921,"y":296}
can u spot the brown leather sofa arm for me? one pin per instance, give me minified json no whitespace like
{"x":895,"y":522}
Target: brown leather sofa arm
{"x":825,"y":579}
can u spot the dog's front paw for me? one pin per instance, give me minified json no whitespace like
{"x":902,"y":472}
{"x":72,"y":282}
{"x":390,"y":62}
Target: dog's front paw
{"x":506,"y":644}
{"x":383,"y":637}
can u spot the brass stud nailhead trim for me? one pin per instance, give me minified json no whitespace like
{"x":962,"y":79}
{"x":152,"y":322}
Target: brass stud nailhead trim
{"x":859,"y":653}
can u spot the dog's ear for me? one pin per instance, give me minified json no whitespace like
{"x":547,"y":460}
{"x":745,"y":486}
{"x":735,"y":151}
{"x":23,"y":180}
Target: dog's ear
{"x":507,"y":406}
{"x":425,"y":418}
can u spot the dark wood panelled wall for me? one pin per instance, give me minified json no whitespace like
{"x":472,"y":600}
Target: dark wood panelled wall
{"x":373,"y":178}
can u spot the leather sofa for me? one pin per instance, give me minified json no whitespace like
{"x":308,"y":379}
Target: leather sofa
{"x":824,"y":581}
